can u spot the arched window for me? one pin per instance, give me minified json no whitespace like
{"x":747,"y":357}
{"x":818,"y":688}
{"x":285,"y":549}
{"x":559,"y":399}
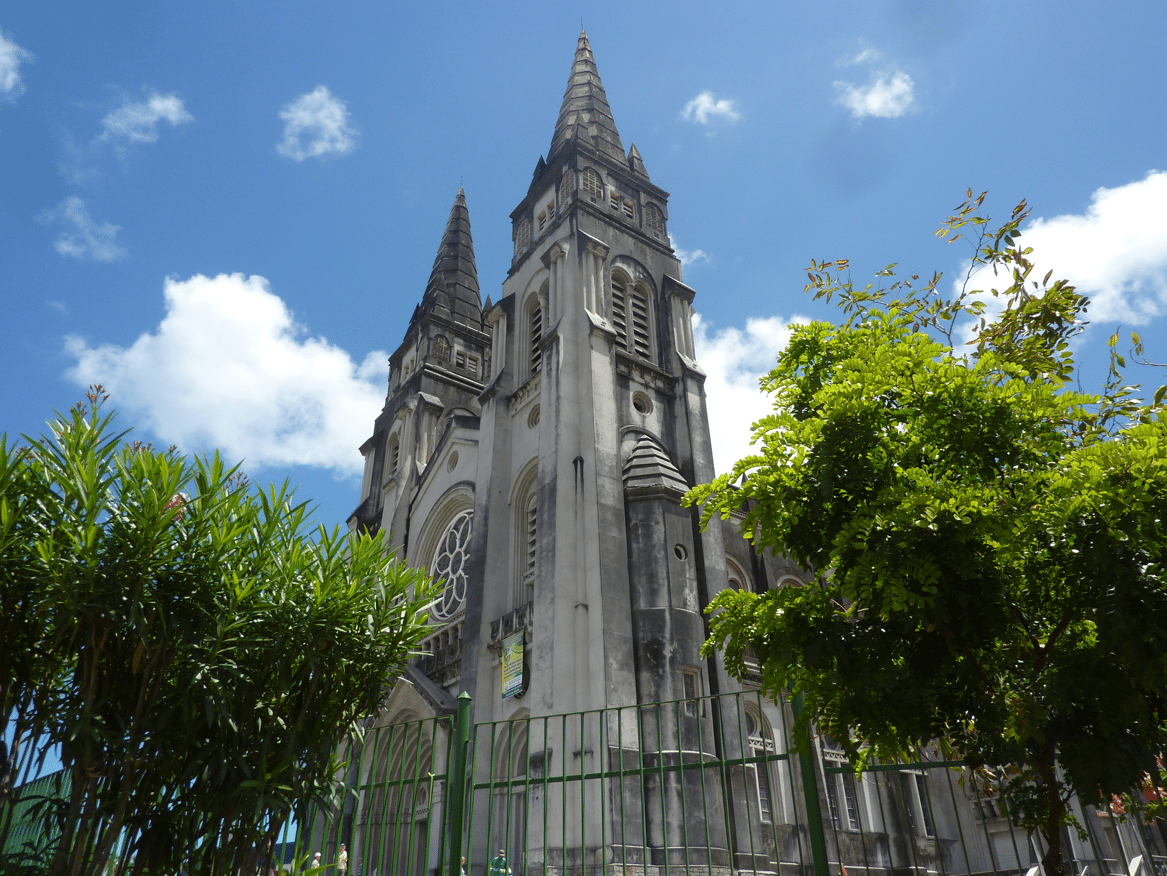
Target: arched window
{"x":522,"y":237}
{"x":566,"y":187}
{"x":394,"y":454}
{"x":451,"y":564}
{"x":761,"y":743}
{"x":654,"y":221}
{"x":441,"y":348}
{"x":591,"y":183}
{"x":630,"y":317}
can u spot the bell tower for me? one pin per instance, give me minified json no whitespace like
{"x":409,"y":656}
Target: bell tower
{"x":593,"y":426}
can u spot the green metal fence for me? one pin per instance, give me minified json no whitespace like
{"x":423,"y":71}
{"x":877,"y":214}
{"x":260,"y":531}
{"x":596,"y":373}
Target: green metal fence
{"x":700,"y":787}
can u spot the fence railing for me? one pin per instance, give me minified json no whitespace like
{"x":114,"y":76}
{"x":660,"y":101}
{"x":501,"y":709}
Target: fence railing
{"x":706,"y":786}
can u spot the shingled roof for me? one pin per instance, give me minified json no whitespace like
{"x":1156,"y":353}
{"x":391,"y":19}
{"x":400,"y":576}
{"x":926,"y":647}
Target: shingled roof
{"x":453,"y":283}
{"x":585,"y":114}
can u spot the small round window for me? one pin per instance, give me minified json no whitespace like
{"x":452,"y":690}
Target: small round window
{"x":642,"y":403}
{"x":451,"y":564}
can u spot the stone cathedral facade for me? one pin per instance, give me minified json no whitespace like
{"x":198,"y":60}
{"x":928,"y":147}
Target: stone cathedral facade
{"x":531,"y":453}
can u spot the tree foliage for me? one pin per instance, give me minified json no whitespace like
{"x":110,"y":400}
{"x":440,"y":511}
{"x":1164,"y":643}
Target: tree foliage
{"x":188,"y":645}
{"x":987,"y":541}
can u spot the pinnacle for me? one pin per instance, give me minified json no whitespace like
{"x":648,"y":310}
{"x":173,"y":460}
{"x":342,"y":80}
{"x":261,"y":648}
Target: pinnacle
{"x":585,"y":112}
{"x":453,"y":282}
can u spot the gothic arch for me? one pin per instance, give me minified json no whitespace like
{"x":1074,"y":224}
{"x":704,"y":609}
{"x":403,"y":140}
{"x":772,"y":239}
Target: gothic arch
{"x":632,"y":302}
{"x":524,"y":510}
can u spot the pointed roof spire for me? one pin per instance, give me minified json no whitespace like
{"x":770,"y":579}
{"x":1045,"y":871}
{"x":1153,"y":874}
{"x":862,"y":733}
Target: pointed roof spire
{"x":453,"y":283}
{"x":585,"y":110}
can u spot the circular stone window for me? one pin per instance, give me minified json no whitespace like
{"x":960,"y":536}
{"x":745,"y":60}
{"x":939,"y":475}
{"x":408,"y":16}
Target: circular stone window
{"x":533,"y":417}
{"x":680,"y":551}
{"x":453,"y":463}
{"x":642,"y":403}
{"x":450,"y":564}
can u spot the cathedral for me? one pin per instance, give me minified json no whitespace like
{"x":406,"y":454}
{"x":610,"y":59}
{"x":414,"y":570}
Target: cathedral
{"x":531,"y":454}
{"x":532,"y":451}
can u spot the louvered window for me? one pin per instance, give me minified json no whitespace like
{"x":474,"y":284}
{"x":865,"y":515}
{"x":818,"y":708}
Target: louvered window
{"x":619,"y":312}
{"x":529,"y":553}
{"x":535,"y":323}
{"x":638,"y":313}
{"x":591,"y":183}
{"x":394,"y":454}
{"x":629,"y":209}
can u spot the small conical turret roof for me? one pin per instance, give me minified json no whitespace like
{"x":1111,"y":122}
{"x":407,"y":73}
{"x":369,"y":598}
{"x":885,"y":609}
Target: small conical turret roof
{"x":453,"y":283}
{"x":585,"y":113}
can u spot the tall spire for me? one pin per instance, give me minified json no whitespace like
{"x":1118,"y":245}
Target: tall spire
{"x":585,"y":112}
{"x":453,"y":283}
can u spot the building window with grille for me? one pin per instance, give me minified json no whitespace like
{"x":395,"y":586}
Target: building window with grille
{"x":591,"y":184}
{"x":441,"y":348}
{"x":522,"y":237}
{"x":654,"y":221}
{"x":566,"y":187}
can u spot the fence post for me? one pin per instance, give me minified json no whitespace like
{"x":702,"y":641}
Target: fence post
{"x":810,"y":791}
{"x":458,"y":784}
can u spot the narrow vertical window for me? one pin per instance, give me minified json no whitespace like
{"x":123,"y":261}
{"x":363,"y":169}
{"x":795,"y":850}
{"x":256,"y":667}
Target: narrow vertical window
{"x":639,"y":318}
{"x":535,"y":327}
{"x":566,"y":187}
{"x":619,"y":312}
{"x":654,"y":221}
{"x":394,"y":454}
{"x":522,"y":237}
{"x":531,"y":521}
{"x":691,"y":678}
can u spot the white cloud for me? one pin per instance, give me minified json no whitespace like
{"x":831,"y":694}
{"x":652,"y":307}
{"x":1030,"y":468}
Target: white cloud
{"x":706,"y":110}
{"x":885,"y":96}
{"x":138,"y":122}
{"x":316,"y":124}
{"x":229,"y":368}
{"x":1115,"y":252}
{"x":11,"y":57}
{"x":867,"y":55}
{"x":689,"y":256}
{"x":735,"y":360}
{"x":84,"y":237}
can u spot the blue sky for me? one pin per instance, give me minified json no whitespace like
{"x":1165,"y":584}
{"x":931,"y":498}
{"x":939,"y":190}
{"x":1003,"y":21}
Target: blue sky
{"x":227,"y":212}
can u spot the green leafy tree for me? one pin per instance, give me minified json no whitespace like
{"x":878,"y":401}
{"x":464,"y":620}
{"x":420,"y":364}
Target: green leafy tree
{"x":987,"y":542}
{"x":191,"y":647}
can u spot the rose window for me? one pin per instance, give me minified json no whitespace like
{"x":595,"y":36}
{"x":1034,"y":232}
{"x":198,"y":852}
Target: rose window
{"x":451,"y":563}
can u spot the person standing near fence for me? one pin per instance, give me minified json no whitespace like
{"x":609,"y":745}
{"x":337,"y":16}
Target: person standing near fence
{"x":342,"y":861}
{"x":498,"y":866}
